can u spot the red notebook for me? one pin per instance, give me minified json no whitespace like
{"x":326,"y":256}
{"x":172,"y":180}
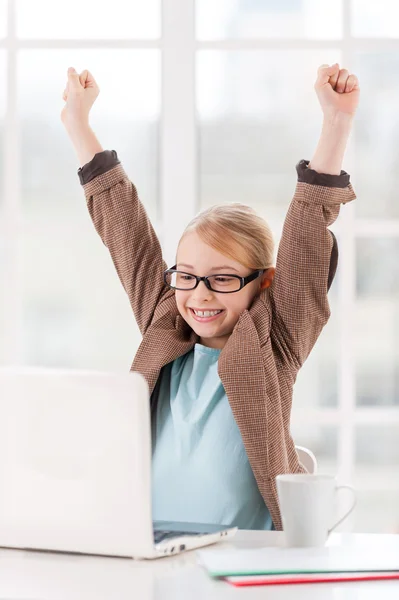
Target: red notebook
{"x":241,"y":581}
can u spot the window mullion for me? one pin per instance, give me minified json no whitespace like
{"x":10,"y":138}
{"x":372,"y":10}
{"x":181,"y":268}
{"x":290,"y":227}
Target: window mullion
{"x":12,"y":288}
{"x":178,"y":180}
{"x":346,"y":304}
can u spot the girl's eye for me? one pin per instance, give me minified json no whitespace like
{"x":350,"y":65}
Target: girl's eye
{"x":187,"y":277}
{"x":223,"y":279}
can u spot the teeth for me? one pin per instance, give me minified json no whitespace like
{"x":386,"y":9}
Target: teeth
{"x":206,"y":313}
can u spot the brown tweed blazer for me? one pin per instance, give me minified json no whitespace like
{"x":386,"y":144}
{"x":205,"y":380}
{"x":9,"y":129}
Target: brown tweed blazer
{"x":271,"y":340}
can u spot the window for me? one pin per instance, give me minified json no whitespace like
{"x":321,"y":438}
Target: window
{"x":234,"y":113}
{"x":88,"y":19}
{"x":51,"y":258}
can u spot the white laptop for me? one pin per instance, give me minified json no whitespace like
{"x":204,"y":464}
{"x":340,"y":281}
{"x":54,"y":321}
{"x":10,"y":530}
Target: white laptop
{"x":75,"y":467}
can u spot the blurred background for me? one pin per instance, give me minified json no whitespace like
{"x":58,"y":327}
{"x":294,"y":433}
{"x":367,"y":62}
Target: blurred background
{"x":208,"y":101}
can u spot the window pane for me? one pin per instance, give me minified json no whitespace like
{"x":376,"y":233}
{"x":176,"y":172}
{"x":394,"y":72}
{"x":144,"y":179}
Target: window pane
{"x":3,"y":91}
{"x":377,"y":478}
{"x":88,"y":19}
{"x":127,"y":121}
{"x":375,"y":19}
{"x":317,"y":382}
{"x":376,"y":511}
{"x":307,"y":19}
{"x":321,"y":440}
{"x":75,"y":311}
{"x":4,"y":289}
{"x":376,"y":135}
{"x":3,"y":231}
{"x":377,"y":445}
{"x":377,"y":322}
{"x":255,"y":124}
{"x":3,"y":18}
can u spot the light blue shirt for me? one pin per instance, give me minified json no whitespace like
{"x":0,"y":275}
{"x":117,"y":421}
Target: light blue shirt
{"x":200,"y":470}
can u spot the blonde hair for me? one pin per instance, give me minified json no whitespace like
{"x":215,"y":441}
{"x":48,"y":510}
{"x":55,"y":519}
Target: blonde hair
{"x":236,"y":231}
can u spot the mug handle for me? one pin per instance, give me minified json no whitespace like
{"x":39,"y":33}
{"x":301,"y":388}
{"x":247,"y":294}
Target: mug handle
{"x":344,"y":487}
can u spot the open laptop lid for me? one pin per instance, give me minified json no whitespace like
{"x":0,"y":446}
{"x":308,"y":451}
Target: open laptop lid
{"x":75,"y":456}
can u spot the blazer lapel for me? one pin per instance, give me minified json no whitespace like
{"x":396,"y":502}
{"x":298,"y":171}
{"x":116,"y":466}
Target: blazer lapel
{"x":242,"y":372}
{"x":165,"y":340}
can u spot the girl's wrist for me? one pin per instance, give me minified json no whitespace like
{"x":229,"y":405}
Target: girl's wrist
{"x":84,"y":141}
{"x":337,"y":121}
{"x":332,"y":144}
{"x":75,"y":126}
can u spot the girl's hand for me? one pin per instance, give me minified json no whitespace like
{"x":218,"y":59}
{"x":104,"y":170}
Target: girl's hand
{"x":79,"y":95}
{"x":337,"y":90}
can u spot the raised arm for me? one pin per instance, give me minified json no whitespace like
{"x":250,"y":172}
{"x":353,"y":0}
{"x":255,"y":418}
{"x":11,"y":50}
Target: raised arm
{"x":117,"y":213}
{"x":307,"y":254}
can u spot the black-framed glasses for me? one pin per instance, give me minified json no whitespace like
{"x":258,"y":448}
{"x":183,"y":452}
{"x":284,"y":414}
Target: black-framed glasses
{"x":223,"y":283}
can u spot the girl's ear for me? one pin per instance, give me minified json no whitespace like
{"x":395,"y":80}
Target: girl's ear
{"x":267,"y":278}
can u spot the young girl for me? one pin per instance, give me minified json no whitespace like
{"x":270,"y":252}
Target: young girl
{"x":224,"y":333}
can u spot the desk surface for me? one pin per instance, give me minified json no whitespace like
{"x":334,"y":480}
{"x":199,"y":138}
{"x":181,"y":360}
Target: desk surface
{"x":51,"y":576}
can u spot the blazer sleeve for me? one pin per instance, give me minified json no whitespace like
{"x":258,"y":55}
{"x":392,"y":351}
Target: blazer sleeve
{"x":124,"y":227}
{"x":306,"y":261}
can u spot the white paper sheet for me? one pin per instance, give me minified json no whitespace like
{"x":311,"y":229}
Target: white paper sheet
{"x":297,"y":560}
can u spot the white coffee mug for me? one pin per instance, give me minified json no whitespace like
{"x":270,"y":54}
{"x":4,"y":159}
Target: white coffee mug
{"x":308,"y":507}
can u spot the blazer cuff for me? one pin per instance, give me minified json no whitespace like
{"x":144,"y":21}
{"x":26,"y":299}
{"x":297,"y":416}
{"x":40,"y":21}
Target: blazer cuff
{"x":312,"y":177}
{"x":99,"y":164}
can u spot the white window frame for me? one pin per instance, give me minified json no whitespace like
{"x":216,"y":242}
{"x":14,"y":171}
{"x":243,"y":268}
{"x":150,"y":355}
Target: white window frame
{"x":179,"y":190}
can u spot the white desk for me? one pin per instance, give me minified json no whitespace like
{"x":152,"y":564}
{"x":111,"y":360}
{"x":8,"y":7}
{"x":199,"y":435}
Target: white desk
{"x":50,"y":576}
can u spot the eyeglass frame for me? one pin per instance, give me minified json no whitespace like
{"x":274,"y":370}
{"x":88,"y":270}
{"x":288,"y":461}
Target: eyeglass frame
{"x":243,"y":280}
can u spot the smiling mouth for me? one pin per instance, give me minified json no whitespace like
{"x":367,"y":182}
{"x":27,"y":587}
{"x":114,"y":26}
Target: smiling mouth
{"x":205,"y":315}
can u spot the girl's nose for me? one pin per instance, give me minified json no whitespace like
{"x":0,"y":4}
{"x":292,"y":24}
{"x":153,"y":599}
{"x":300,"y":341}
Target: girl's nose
{"x":201,"y":291}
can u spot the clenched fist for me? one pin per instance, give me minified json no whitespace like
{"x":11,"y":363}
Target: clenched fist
{"x":337,"y":90}
{"x":79,"y":95}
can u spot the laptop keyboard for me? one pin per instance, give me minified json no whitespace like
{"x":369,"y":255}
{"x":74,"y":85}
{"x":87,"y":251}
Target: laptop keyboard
{"x":161,"y":536}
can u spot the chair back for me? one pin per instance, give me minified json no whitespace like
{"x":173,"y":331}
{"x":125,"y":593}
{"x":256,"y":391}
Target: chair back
{"x":307,"y":459}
